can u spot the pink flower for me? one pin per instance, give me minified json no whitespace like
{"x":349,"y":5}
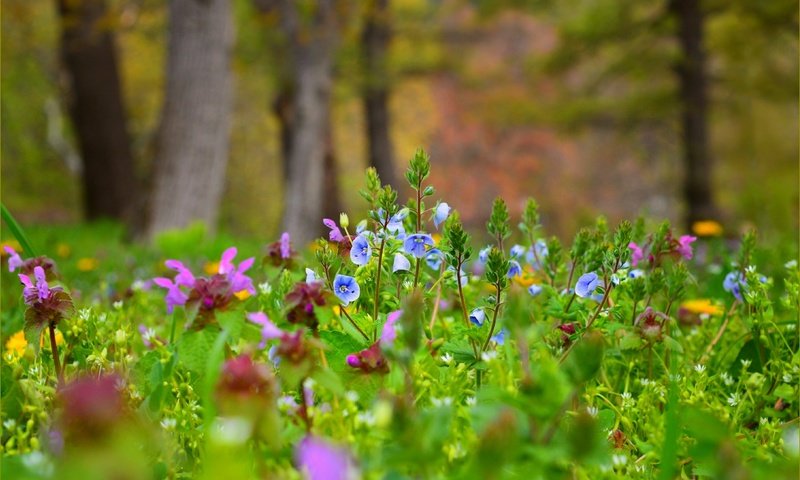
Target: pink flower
{"x":174,"y":294}
{"x":184,"y":276}
{"x":239,"y":281}
{"x":268,"y":329}
{"x":286,"y":246}
{"x":335,"y":234}
{"x":636,"y":253}
{"x":14,"y":260}
{"x":685,"y":246}
{"x":389,"y":333}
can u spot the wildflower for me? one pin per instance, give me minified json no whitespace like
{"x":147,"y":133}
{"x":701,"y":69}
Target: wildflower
{"x":46,"y":305}
{"x":372,"y":359}
{"x":238,"y":280}
{"x":92,"y":407}
{"x":389,"y":332}
{"x":477,"y":316}
{"x":535,"y":290}
{"x":685,"y":246}
{"x":691,"y":311}
{"x":706,"y":228}
{"x":636,"y":253}
{"x":16,"y":345}
{"x":416,"y":244}
{"x":500,"y":337}
{"x":335,"y":234}
{"x":245,"y":386}
{"x":463,"y":279}
{"x":434,"y":258}
{"x":514,"y":269}
{"x":700,"y":368}
{"x":395,"y":225}
{"x":149,"y":336}
{"x":360,"y":251}
{"x":447,"y":358}
{"x":400,"y":263}
{"x":268,"y":329}
{"x":280,"y":252}
{"x":567,"y":330}
{"x":184,"y":278}
{"x":311,"y":276}
{"x":441,"y":213}
{"x":87,"y":264}
{"x":733,"y":283}
{"x":517,"y":251}
{"x":587,"y":284}
{"x":650,"y":324}
{"x":319,"y":460}
{"x":14,"y":260}
{"x":733,"y":399}
{"x":483,"y":254}
{"x":536,"y":254}
{"x":635,"y":273}
{"x":302,"y":299}
{"x":346,"y":289}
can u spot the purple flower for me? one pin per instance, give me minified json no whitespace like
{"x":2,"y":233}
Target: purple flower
{"x":441,"y":214}
{"x":400,"y":263}
{"x":514,"y":269}
{"x":434,"y":258}
{"x":395,"y":225}
{"x":238,"y":280}
{"x":268,"y":329}
{"x":335,"y":234}
{"x":38,"y":292}
{"x":389,"y":332}
{"x":535,"y":290}
{"x":319,"y":460}
{"x":174,"y":294}
{"x":477,"y":316}
{"x":184,"y":277}
{"x":587,"y":284}
{"x":14,"y":260}
{"x":346,"y":288}
{"x":636,"y":253}
{"x":286,"y":245}
{"x":415,"y":244}
{"x":517,"y":251}
{"x":361,"y":251}
{"x":462,"y":278}
{"x":685,"y":246}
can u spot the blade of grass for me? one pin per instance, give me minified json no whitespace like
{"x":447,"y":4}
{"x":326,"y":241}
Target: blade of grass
{"x":17,"y":231}
{"x":215,"y":358}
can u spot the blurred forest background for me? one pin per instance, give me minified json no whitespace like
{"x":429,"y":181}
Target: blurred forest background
{"x":260,"y":115}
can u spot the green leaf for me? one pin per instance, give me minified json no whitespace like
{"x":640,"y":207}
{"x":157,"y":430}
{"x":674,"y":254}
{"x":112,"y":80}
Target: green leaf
{"x":329,"y":380}
{"x":673,"y":344}
{"x":17,"y":231}
{"x":194,"y":348}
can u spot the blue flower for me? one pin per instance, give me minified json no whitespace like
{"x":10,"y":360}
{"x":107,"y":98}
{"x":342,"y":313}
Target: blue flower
{"x":500,"y":337}
{"x":346,"y":288}
{"x":434,"y":258}
{"x":734,"y":281}
{"x":477,"y":316}
{"x":483,"y":255}
{"x":311,"y":276}
{"x":415,"y":244}
{"x":463,"y":278}
{"x":360,"y":251}
{"x":400,"y":263}
{"x":514,"y":269}
{"x":441,"y":213}
{"x":517,"y":251}
{"x":635,"y":273}
{"x":587,"y":284}
{"x":539,"y":249}
{"x":535,"y":290}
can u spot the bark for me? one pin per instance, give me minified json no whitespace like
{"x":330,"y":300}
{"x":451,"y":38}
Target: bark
{"x":375,"y":39}
{"x":311,"y":44}
{"x":332,"y":200}
{"x":693,"y":91}
{"x":192,"y":146}
{"x":96,"y":109}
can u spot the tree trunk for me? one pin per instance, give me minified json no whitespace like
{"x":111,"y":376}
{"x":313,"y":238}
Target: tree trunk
{"x":312,"y":47}
{"x":192,"y":147}
{"x":96,"y":107}
{"x":693,"y":91}
{"x":332,"y":200}
{"x":375,"y":38}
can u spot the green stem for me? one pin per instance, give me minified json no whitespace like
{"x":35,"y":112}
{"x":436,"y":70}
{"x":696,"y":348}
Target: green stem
{"x":416,"y":275}
{"x":17,"y":231}
{"x":494,"y":319}
{"x":353,"y":322}
{"x":56,"y":358}
{"x":378,"y":288}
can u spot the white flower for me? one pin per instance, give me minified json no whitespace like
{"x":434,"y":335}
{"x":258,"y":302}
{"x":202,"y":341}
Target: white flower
{"x":351,"y":396}
{"x":10,"y":424}
{"x":441,"y":402}
{"x":265,"y":288}
{"x":700,"y":368}
{"x":733,"y":399}
{"x":118,"y":304}
{"x":763,"y":420}
{"x":726,"y":379}
{"x":471,"y":401}
{"x":447,"y":358}
{"x":787,"y":378}
{"x":168,"y":423}
{"x":591,"y":411}
{"x":790,"y":264}
{"x":366,"y":418}
{"x":619,"y":460}
{"x":745,"y":363}
{"x":488,"y":356}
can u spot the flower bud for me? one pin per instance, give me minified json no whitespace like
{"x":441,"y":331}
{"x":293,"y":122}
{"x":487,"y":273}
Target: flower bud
{"x":344,"y":220}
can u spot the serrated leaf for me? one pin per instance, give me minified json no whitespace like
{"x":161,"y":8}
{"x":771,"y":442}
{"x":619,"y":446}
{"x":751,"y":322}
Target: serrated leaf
{"x":195,"y":346}
{"x":673,"y":344}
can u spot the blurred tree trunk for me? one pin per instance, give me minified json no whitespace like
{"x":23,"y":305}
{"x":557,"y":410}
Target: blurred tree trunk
{"x":693,"y":91}
{"x":311,"y":43}
{"x":375,"y":40}
{"x":96,"y":108}
{"x":332,"y":200}
{"x":192,"y":145}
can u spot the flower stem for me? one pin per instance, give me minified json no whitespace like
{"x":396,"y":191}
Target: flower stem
{"x":353,"y":322}
{"x":416,"y":275}
{"x":56,"y":358}
{"x":494,"y":319}
{"x":378,"y":288}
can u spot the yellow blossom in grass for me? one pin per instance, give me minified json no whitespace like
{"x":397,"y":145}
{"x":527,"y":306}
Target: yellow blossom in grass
{"x":437,"y":238}
{"x":16,"y":345}
{"x":337,"y":310}
{"x":526,"y":278}
{"x":44,"y":340}
{"x":87,"y":264}
{"x":63,"y":250}
{"x":211,"y":268}
{"x":707,"y":228}
{"x":242,"y":294}
{"x":701,"y":306}
{"x":9,"y":243}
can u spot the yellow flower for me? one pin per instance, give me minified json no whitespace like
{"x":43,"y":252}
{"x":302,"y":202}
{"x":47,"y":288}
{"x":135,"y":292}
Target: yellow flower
{"x":701,"y":306}
{"x":707,"y":228}
{"x":242,"y":294}
{"x":63,"y":250}
{"x":337,"y":310}
{"x":87,"y":264}
{"x":211,"y":268}
{"x":16,"y":345}
{"x":436,"y":238}
{"x":9,"y":243}
{"x":526,"y":278}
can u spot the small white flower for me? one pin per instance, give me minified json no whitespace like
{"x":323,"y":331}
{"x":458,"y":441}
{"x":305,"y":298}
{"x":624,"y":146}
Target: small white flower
{"x":787,"y":378}
{"x":168,"y":423}
{"x":676,"y":377}
{"x":471,"y":401}
{"x":447,"y":358}
{"x":351,"y":396}
{"x":714,"y":268}
{"x":700,"y":368}
{"x":148,"y":335}
{"x":102,"y":317}
{"x":644,"y":382}
{"x":488,"y":356}
{"x":441,"y":402}
{"x":626,"y":396}
{"x":265,"y":288}
{"x":745,"y":363}
{"x":232,"y":430}
{"x":619,"y":460}
{"x":10,"y":424}
{"x":365,"y":418}
{"x":726,"y":379}
{"x":790,"y":264}
{"x":591,"y":411}
{"x":763,"y":421}
{"x":733,"y":399}
{"x":117,"y":305}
